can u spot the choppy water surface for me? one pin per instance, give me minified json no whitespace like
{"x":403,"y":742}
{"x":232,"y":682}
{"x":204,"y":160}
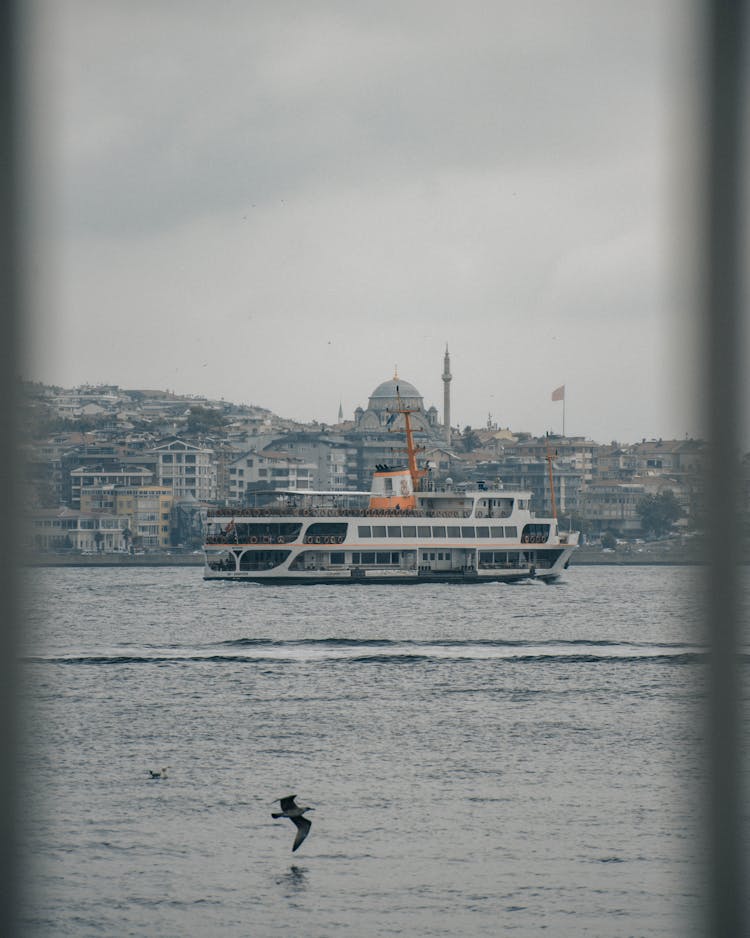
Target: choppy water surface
{"x":482,"y":759}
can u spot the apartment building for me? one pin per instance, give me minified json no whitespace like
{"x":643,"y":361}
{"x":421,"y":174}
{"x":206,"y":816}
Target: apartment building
{"x":268,"y":470}
{"x":147,"y":509}
{"x":69,"y":529}
{"x":85,"y":477}
{"x":188,"y":470}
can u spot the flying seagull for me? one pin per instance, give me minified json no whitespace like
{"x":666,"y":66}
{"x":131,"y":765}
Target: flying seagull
{"x":290,"y":809}
{"x":159,"y":773}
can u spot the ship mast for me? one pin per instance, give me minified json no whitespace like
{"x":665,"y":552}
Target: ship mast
{"x":411,"y":450}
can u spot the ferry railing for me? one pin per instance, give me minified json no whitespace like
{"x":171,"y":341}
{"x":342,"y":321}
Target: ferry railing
{"x":234,"y":514}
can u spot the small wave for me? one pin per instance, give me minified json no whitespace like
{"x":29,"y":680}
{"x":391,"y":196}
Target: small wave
{"x":95,"y":659}
{"x":343,"y":642}
{"x":684,"y":658}
{"x":390,"y":659}
{"x":300,"y":651}
{"x":447,"y":643}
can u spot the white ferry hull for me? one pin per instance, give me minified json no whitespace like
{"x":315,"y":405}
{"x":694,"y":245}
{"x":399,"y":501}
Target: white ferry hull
{"x":371,"y":577}
{"x":411,"y":532}
{"x":285,"y":548}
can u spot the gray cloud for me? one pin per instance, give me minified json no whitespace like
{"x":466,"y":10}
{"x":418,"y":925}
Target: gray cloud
{"x":383,"y":178}
{"x":164,"y":116}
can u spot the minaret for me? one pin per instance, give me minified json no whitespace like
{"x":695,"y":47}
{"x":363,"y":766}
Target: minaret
{"x":341,"y":413}
{"x":447,"y":395}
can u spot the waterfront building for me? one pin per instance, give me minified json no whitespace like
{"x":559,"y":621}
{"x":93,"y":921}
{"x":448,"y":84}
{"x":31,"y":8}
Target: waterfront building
{"x":98,"y":499}
{"x":143,"y":509}
{"x":609,"y":505}
{"x":88,"y":455}
{"x":331,"y":455}
{"x":574,"y":451}
{"x":69,"y":529}
{"x":147,"y":510}
{"x":533,"y":476}
{"x":265,"y":471}
{"x":658,"y":464}
{"x":673,"y":457}
{"x":224,"y":453}
{"x":84,"y":478}
{"x":616,"y":462}
{"x":187,"y":469}
{"x":441,"y":461}
{"x":188,"y":522}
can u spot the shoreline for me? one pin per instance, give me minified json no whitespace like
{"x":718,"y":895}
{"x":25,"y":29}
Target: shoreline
{"x":113,"y":560}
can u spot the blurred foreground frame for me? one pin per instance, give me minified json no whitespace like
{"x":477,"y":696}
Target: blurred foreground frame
{"x":721,"y":241}
{"x":725,"y":26}
{"x":10,"y":319}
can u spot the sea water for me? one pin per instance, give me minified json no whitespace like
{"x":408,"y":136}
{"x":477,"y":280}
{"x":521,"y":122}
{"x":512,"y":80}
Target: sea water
{"x":482,"y":759}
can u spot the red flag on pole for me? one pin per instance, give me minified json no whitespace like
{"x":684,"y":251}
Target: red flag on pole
{"x":559,"y":393}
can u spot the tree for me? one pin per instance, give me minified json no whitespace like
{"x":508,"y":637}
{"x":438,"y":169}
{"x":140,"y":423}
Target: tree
{"x":659,"y":512}
{"x":204,"y":420}
{"x":609,"y":540}
{"x":470,"y":440}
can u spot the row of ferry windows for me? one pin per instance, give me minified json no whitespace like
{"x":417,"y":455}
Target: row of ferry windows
{"x":394,"y":557}
{"x":439,"y":530}
{"x":367,"y":557}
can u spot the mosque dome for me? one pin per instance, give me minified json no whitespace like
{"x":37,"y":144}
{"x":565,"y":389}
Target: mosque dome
{"x":388,"y":389}
{"x":385,"y":400}
{"x":386,"y":395}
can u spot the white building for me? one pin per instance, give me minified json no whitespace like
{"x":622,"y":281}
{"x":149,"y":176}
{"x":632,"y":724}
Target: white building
{"x":269,"y":470}
{"x":334,"y":459}
{"x":188,"y":470}
{"x":84,"y":478}
{"x":67,"y":529}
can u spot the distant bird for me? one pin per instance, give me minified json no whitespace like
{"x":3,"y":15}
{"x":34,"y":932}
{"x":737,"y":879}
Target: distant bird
{"x":159,"y":773}
{"x":290,"y":809}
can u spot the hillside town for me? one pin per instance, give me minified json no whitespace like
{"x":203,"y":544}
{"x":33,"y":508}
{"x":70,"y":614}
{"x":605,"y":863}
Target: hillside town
{"x":114,"y":470}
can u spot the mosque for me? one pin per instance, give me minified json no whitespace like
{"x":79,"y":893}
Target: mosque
{"x":384,"y":401}
{"x":345,"y":455}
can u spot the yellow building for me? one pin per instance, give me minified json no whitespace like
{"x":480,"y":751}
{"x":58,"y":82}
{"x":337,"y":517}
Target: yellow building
{"x":148,"y":509}
{"x":144,"y":510}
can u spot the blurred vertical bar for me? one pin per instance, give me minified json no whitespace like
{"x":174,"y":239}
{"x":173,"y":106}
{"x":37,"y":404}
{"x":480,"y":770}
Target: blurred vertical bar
{"x":9,"y":368}
{"x":725,"y":39}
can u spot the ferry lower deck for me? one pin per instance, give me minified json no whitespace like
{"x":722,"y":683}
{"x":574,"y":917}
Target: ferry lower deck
{"x":384,"y":562}
{"x":404,"y":535}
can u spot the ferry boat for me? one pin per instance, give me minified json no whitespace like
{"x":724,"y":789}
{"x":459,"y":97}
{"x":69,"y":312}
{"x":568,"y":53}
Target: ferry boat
{"x":408,"y":531}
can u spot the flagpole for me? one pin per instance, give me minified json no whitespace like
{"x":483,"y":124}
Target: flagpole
{"x":563,"y":413}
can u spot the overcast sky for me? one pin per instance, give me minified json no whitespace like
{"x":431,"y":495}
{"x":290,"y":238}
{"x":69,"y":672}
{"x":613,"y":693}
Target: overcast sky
{"x":277,"y":203}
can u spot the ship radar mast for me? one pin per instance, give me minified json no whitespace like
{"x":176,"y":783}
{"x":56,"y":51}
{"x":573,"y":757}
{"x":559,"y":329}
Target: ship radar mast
{"x":411,"y":450}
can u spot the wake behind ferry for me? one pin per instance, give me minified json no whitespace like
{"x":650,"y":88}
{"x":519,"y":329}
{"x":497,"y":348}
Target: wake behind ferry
{"x":407,"y":530}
